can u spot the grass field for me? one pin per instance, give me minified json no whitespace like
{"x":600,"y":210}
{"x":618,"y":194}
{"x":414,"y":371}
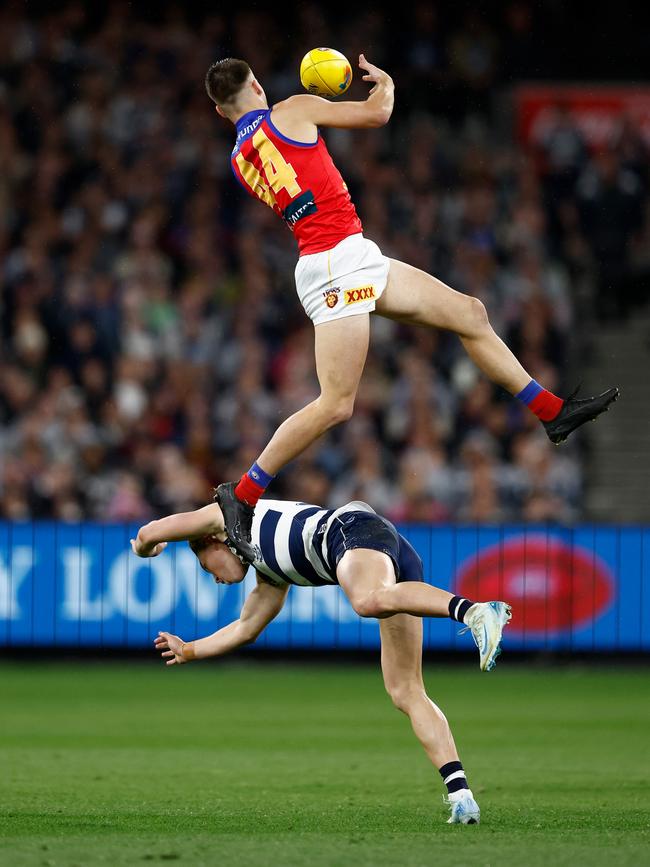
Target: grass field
{"x":241,"y":763}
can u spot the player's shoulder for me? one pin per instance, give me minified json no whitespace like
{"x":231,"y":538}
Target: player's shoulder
{"x":300,"y":107}
{"x":298,"y":102}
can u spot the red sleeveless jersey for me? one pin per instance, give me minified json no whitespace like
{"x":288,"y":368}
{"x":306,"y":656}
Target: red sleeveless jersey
{"x":299,"y":181}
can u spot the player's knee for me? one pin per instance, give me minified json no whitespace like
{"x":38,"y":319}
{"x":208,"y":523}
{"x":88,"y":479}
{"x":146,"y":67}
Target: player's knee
{"x":365,"y":606}
{"x":370,"y":605}
{"x":477,"y":316}
{"x":404,"y":695}
{"x":339,"y":410}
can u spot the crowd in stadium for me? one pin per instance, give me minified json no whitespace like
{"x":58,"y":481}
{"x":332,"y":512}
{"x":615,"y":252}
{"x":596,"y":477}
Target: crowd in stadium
{"x":152,"y":339}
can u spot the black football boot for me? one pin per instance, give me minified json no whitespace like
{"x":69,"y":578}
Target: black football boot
{"x":576,"y":411}
{"x":238,"y":518}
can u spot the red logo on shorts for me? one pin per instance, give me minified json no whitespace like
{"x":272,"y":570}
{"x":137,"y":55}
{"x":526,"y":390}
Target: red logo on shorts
{"x":363,"y":293}
{"x":551,"y":585}
{"x":332,"y":296}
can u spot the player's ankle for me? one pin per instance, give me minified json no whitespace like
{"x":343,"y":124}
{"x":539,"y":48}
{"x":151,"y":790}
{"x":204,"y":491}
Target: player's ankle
{"x":453,"y":776}
{"x":459,"y":608}
{"x":543,"y":403}
{"x":252,"y":485}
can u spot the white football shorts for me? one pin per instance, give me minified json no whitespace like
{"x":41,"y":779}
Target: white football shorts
{"x":343,"y":281}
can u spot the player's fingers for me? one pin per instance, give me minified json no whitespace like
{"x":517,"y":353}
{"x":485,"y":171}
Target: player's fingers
{"x":167,"y":654}
{"x":171,"y":662}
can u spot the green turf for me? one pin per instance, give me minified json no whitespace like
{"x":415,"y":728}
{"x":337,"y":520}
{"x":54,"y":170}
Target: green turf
{"x":242,"y":763}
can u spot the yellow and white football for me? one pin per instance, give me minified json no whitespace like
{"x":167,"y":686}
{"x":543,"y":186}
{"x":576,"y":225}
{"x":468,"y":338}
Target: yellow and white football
{"x":325,"y":72}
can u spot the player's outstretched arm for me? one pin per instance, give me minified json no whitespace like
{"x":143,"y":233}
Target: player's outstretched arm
{"x":373,"y":112}
{"x":262,"y":605}
{"x":152,"y":538}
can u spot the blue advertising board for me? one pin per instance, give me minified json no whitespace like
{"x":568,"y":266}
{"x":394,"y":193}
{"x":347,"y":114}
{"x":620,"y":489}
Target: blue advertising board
{"x":582,"y":588}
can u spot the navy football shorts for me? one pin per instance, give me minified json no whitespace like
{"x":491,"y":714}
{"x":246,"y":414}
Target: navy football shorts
{"x":367,"y":530}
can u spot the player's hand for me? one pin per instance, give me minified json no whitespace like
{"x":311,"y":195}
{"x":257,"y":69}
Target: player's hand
{"x":373,"y":73}
{"x":151,"y":549}
{"x":171,"y":647}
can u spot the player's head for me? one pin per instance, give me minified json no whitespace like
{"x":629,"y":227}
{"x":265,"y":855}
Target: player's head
{"x":214,"y":555}
{"x":233,"y":88}
{"x":217,"y":559}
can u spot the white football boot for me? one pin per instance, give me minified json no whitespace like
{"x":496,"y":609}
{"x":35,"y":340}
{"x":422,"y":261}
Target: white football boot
{"x":486,"y":620}
{"x":464,"y":809}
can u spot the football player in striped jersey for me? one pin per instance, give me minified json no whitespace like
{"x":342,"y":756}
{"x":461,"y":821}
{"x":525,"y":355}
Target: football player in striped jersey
{"x":380,"y":573}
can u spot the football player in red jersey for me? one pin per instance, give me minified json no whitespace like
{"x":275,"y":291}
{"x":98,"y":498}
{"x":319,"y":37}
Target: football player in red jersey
{"x":341,"y":276}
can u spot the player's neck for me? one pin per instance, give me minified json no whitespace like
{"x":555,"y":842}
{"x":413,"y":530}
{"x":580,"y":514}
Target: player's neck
{"x":245,"y":108}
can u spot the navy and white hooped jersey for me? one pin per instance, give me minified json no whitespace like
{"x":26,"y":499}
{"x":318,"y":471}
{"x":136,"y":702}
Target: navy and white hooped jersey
{"x":292,"y":541}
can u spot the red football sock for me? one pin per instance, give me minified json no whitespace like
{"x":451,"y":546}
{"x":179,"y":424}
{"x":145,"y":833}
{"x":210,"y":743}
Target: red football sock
{"x":546,"y":405}
{"x":248,"y":491}
{"x":543,"y":403}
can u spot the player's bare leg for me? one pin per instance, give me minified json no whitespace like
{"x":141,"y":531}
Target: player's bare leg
{"x":413,"y":296}
{"x":401,"y":663}
{"x":367,"y":575}
{"x":368,"y":580}
{"x":340,"y":348}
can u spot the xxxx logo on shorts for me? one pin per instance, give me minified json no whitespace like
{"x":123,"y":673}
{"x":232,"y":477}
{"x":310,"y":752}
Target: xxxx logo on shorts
{"x":363,"y":293}
{"x":332,"y":296}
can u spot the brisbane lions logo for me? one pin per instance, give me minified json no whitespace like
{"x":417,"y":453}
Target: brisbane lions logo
{"x":332,"y":296}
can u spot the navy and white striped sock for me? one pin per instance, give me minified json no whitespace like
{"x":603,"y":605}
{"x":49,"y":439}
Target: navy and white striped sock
{"x":453,"y":776}
{"x":458,"y":608}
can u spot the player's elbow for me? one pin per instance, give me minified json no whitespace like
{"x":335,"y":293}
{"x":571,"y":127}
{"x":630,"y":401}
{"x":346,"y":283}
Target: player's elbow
{"x":250,"y":630}
{"x":248,"y":633}
{"x":146,"y":533}
{"x":379,"y":117}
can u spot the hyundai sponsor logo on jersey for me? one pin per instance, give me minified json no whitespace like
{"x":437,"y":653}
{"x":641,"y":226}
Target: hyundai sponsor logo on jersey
{"x":246,"y":127}
{"x":80,"y":585}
